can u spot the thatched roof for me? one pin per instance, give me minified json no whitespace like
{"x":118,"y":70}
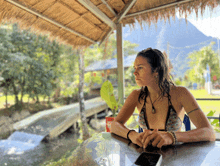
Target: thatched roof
{"x":84,"y":22}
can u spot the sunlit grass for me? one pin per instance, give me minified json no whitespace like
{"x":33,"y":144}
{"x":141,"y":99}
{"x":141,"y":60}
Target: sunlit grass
{"x":11,"y":99}
{"x":202,"y":93}
{"x":207,"y":105}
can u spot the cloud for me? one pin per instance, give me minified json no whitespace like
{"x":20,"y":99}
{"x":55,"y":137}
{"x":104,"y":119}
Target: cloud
{"x":208,"y":26}
{"x":160,"y":38}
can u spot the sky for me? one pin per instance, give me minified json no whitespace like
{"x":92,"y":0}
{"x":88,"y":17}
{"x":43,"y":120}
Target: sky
{"x":208,"y":23}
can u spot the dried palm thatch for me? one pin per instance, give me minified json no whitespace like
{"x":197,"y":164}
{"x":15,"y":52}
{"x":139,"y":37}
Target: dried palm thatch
{"x":72,"y":22}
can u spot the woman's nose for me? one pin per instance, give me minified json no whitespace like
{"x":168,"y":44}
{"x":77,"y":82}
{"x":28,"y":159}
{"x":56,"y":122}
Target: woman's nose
{"x":135,"y":72}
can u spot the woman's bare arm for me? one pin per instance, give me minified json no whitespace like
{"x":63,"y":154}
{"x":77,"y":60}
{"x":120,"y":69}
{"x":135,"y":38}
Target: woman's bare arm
{"x":125,"y":113}
{"x":204,"y":130}
{"x":118,"y":127}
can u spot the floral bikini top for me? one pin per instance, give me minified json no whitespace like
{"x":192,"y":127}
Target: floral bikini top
{"x":173,"y":122}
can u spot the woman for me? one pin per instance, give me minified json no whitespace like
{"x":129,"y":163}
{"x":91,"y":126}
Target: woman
{"x":161,"y":106}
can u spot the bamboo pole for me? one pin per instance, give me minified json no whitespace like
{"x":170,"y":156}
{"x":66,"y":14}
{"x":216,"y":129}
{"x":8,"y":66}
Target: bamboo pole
{"x":120,"y":64}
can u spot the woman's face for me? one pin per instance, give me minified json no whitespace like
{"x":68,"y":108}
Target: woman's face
{"x":143,"y":73}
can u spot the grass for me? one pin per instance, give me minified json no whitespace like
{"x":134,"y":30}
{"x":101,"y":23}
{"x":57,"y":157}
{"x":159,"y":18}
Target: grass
{"x":11,"y":99}
{"x":207,"y":105}
{"x":31,"y":106}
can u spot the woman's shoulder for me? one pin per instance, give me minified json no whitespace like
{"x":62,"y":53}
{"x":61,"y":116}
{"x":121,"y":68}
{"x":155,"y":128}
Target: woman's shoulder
{"x":179,"y":91}
{"x":133,"y":96}
{"x":135,"y":92}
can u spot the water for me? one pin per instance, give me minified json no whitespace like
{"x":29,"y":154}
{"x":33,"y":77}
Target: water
{"x":26,"y":148}
{"x":23,"y":149}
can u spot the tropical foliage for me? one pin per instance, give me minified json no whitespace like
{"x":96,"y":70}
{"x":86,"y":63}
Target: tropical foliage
{"x":198,"y":64}
{"x":34,"y":66}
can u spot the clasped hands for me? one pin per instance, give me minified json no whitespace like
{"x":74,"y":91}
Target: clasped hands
{"x":155,"y":138}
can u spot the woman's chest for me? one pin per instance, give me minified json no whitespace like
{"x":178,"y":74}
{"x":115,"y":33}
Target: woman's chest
{"x":157,"y":114}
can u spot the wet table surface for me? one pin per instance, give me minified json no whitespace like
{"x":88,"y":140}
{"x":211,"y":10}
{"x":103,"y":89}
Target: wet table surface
{"x":108,"y":149}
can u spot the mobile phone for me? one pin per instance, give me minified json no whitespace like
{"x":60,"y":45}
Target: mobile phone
{"x":149,"y":159}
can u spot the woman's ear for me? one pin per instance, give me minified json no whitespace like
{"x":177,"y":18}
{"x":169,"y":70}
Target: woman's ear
{"x":156,"y":74}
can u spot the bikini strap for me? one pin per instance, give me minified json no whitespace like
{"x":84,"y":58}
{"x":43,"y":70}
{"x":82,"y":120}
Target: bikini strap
{"x":169,"y":99}
{"x":145,"y":100}
{"x":144,"y":103}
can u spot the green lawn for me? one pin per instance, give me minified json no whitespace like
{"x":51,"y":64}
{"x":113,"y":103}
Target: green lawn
{"x":11,"y":99}
{"x":207,"y":105}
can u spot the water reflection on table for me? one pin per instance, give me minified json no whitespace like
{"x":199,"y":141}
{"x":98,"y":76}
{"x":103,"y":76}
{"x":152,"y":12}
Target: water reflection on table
{"x":108,"y":149}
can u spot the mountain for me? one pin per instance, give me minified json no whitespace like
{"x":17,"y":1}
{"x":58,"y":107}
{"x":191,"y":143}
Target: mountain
{"x":178,"y":36}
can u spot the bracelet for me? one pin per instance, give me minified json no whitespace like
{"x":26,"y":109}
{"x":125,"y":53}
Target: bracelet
{"x":128,"y":136}
{"x":173,"y":136}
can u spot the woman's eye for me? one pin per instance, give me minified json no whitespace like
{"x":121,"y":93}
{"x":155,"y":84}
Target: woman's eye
{"x":138,"y":68}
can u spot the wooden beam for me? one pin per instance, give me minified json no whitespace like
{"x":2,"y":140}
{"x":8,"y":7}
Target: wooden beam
{"x":120,"y":64}
{"x":119,"y":18}
{"x":107,"y":5}
{"x":156,"y":8}
{"x":125,"y":10}
{"x":108,"y":33}
{"x":18,"y":4}
{"x":97,"y":12}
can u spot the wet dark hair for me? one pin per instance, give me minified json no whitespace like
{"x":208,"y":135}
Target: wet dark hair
{"x":158,"y":63}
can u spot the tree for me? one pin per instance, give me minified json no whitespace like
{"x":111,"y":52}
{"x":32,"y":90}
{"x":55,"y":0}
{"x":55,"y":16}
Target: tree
{"x":5,"y":47}
{"x":28,"y":63}
{"x":68,"y":79}
{"x":198,"y":62}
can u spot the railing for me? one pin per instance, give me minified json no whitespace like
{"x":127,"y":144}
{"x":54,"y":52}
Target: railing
{"x":207,"y":98}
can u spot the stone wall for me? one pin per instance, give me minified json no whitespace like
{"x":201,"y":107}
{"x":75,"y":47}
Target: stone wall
{"x":6,"y":122}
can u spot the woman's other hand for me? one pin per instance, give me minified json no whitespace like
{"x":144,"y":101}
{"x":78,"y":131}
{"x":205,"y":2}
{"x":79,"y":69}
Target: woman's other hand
{"x":156,"y":138}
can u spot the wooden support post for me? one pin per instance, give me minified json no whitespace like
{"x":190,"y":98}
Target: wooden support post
{"x":120,"y":64}
{"x":85,"y":130}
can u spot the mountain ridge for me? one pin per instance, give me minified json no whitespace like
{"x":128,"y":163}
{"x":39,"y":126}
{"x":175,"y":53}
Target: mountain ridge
{"x":177,"y":37}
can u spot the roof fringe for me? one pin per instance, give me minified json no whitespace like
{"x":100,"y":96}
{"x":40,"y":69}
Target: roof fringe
{"x":84,"y":22}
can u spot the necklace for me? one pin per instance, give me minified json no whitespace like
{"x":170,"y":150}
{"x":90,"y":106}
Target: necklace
{"x":153,"y":109}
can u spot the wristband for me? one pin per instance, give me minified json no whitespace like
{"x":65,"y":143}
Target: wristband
{"x":128,"y":136}
{"x":173,"y":136}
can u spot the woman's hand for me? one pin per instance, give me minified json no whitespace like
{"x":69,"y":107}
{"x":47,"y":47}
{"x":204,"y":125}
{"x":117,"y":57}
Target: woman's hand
{"x":136,"y":138}
{"x":156,"y":138}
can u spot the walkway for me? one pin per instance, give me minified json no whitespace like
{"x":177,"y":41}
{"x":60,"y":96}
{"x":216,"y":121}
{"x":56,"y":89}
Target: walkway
{"x":53,"y":122}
